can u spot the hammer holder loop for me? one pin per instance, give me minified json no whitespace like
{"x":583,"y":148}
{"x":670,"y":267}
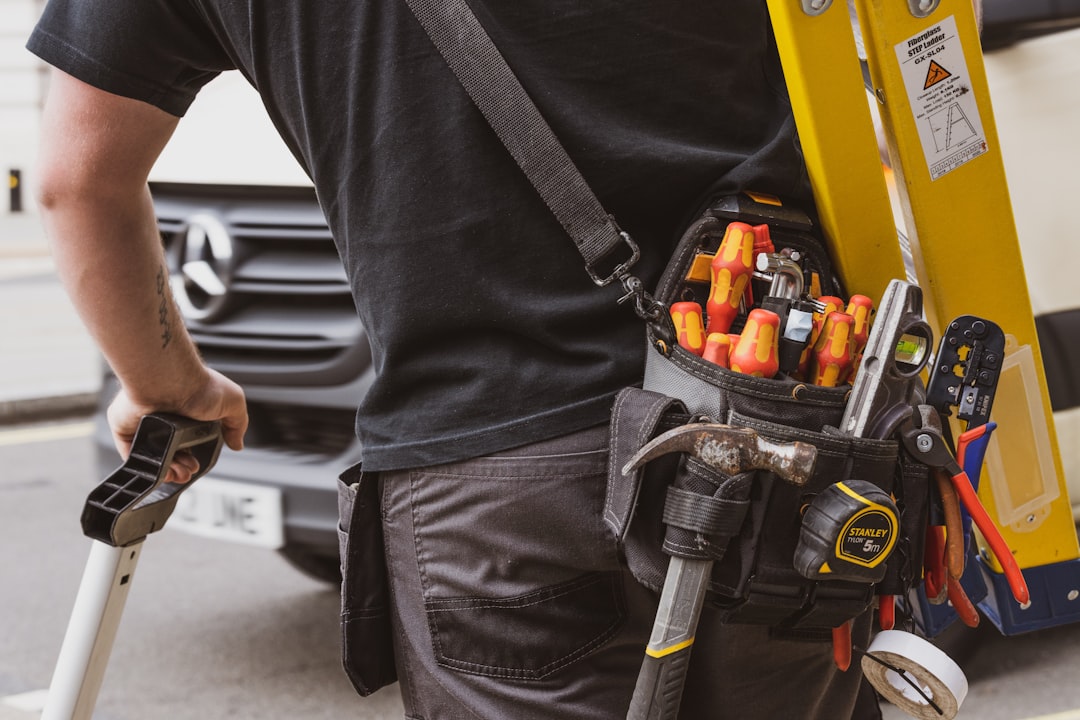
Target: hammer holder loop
{"x":700,"y":526}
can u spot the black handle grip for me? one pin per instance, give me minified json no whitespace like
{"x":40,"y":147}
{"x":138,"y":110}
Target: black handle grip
{"x":135,"y":500}
{"x":659,"y":688}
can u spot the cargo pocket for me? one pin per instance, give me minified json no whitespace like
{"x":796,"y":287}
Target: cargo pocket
{"x":367,"y":640}
{"x":529,"y":636}
{"x":520,"y":575}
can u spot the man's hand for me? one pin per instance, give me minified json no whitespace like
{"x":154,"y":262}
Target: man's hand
{"x":217,"y":398}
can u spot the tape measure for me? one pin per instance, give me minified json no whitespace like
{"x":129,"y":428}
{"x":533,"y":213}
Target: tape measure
{"x":848,"y":532}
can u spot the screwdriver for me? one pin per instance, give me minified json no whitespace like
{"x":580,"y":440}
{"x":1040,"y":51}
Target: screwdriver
{"x":757,"y":352}
{"x":829,"y":304}
{"x":763,"y":240}
{"x":731,"y":270}
{"x":763,"y":245}
{"x":832,"y":357}
{"x":860,"y":307}
{"x":717,"y":349}
{"x":689,"y":325}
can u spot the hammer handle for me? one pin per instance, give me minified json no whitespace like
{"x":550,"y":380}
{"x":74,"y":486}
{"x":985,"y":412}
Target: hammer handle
{"x":658,"y":692}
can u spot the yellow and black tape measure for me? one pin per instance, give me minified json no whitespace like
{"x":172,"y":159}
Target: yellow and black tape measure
{"x":848,"y":532}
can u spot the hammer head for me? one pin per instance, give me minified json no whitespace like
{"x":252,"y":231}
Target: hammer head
{"x":731,"y":450}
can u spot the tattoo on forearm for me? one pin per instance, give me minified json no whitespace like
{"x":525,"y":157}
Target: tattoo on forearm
{"x":164,"y":316}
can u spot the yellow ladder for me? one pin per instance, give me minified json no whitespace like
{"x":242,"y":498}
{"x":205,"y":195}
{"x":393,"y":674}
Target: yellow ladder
{"x":929,"y":87}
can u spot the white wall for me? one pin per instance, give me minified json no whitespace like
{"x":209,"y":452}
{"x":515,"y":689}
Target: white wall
{"x":1035,"y":88}
{"x":22,"y":79}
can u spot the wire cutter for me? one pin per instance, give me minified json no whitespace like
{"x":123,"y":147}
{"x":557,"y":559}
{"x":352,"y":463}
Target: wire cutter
{"x":945,"y":555}
{"x":926,"y":443}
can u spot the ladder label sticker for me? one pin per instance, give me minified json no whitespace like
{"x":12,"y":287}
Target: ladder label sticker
{"x":946,"y":112}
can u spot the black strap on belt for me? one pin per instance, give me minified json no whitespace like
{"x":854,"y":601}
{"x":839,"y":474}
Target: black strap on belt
{"x":704,"y":514}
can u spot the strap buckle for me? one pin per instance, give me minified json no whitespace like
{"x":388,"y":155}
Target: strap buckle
{"x":622,"y":269}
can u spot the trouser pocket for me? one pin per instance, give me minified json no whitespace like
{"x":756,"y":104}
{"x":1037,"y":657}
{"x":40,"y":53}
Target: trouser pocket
{"x":520,"y":577}
{"x":367,"y":646}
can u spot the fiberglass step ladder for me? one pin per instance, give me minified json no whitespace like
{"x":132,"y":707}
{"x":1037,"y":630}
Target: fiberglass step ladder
{"x":928,"y":82}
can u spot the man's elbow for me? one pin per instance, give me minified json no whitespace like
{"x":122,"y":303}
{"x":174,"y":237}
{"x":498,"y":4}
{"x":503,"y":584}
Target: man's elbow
{"x":53,"y":189}
{"x":61,"y":187}
{"x":96,"y":147}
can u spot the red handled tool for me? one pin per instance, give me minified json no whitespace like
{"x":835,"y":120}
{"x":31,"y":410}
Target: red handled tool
{"x":970,"y":451}
{"x":731,"y":270}
{"x":960,"y":601}
{"x":763,"y":243}
{"x":833,"y":354}
{"x":717,"y":349}
{"x":689,"y":326}
{"x":827,"y":305}
{"x":952,"y":561}
{"x":841,"y":636}
{"x":757,"y":352}
{"x":934,"y":564}
{"x":861,"y":308}
{"x":928,"y":445}
{"x":887,"y":612}
{"x":964,"y":379}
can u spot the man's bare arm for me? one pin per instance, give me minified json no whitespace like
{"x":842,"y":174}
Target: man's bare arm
{"x":97,"y":152}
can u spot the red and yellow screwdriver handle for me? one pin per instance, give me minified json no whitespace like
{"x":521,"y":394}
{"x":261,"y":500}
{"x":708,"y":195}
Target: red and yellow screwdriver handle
{"x":834,"y":350}
{"x":689,"y":325}
{"x":718,"y":349}
{"x":757,"y":352}
{"x":730,"y":272}
{"x":860,"y":307}
{"x":830,"y":304}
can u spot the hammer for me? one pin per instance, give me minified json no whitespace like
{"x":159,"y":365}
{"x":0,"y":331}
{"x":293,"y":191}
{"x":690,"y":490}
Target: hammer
{"x":731,"y":450}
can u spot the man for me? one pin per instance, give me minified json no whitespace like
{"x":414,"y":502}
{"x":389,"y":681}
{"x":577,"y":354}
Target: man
{"x":497,"y":358}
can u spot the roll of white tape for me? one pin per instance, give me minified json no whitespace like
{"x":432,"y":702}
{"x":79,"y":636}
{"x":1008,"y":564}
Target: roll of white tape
{"x":919,"y":666}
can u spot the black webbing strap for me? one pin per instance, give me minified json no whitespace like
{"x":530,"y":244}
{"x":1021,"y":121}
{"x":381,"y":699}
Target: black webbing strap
{"x":704,"y":514}
{"x":496,"y":91}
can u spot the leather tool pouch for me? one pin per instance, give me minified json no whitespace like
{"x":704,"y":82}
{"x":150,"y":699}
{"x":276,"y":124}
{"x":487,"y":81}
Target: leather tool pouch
{"x":367,"y":642}
{"x":756,"y":518}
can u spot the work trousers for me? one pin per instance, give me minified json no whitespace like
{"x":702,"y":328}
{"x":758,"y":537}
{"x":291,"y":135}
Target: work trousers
{"x":511,"y":602}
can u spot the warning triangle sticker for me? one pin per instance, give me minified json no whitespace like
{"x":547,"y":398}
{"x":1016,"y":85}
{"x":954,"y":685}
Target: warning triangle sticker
{"x":935,"y":74}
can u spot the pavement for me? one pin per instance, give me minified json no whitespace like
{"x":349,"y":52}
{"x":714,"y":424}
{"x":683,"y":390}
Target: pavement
{"x":49,"y":366}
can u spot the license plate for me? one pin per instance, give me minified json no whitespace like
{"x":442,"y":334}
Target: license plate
{"x":236,"y":512}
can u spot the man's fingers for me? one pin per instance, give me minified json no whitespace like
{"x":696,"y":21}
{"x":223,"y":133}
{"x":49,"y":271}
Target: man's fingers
{"x":234,"y":435}
{"x":183,"y":468}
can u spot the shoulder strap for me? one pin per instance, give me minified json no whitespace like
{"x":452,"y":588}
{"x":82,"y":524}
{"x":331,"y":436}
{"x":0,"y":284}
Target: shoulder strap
{"x":496,"y":91}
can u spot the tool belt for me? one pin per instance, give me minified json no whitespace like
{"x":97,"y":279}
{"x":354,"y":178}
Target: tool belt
{"x":751,"y":526}
{"x":750,"y":523}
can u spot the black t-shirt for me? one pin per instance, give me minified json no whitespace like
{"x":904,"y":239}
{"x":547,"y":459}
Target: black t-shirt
{"x":486,"y":331}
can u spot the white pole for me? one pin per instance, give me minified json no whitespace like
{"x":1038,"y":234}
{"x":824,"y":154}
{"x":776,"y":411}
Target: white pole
{"x":84,"y":654}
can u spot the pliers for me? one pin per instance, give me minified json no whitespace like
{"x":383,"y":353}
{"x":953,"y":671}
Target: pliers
{"x":945,"y":555}
{"x":926,"y":443}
